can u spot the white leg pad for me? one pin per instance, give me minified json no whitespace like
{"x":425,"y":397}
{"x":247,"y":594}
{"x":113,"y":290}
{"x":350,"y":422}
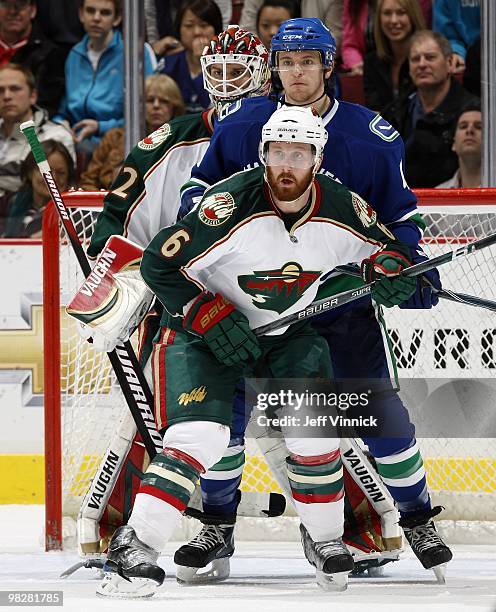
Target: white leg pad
{"x":153,"y":519}
{"x":205,"y":441}
{"x":324,"y":521}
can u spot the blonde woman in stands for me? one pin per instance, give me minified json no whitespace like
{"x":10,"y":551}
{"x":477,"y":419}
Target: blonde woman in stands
{"x":163,"y":102}
{"x":358,"y":31}
{"x":386,"y":71}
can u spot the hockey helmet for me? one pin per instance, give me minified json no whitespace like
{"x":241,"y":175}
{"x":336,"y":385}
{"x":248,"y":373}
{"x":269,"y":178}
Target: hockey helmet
{"x":304,"y":34}
{"x":295,"y":124}
{"x":235,"y":65}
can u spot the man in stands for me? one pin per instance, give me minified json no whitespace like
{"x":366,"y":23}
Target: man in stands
{"x":23,"y":42}
{"x":467,"y":146}
{"x":18,"y":103}
{"x":426,"y":118}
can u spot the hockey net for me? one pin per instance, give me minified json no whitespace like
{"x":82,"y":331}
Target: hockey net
{"x":83,"y":403}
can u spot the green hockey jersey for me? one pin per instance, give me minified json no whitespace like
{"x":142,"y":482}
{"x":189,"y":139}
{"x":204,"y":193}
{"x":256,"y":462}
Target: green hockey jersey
{"x":236,"y":243}
{"x":145,"y":195}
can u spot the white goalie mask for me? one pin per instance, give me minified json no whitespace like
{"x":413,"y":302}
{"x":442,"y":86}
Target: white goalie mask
{"x":296,"y":124}
{"x":235,"y":65}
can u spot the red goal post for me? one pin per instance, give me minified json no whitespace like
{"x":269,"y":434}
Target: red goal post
{"x":454,"y":217}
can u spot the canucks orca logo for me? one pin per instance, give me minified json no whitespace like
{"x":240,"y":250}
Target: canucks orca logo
{"x":277,"y":289}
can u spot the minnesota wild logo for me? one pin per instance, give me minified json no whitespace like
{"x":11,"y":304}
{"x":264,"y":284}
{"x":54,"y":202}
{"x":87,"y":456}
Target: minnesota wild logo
{"x":277,"y":289}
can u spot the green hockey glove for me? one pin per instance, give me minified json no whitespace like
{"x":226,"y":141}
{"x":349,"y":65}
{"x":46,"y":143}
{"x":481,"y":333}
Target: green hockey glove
{"x":389,"y":288}
{"x":225,"y":330}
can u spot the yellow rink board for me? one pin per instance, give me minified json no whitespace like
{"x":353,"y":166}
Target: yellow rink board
{"x":22,"y":476}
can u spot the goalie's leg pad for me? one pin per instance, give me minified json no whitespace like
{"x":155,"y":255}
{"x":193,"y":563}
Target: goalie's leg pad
{"x":402,"y":471}
{"x":317,"y":488}
{"x":170,"y":479}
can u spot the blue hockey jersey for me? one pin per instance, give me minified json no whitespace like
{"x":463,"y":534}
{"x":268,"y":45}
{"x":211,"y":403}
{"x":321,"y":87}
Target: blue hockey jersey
{"x":363,"y":152}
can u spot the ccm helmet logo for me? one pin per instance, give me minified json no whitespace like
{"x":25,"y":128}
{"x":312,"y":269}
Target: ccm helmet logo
{"x":292,"y":37}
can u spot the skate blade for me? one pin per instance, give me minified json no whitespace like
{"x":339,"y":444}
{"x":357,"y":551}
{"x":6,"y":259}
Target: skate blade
{"x":219,"y":570}
{"x":440,"y":573}
{"x":115,"y":586}
{"x":336,"y":583}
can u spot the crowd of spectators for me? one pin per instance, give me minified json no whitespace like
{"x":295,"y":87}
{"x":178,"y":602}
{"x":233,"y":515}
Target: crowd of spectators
{"x":417,"y":62}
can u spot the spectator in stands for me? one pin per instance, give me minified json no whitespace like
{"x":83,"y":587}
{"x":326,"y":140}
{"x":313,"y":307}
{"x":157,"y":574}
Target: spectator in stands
{"x":467,"y":146}
{"x":163,"y":102}
{"x":270,"y":15}
{"x":94,"y":99}
{"x":197,"y":22}
{"x":160,"y":16}
{"x":386,"y":71}
{"x":329,"y":11}
{"x":28,"y":204}
{"x":59,"y":20}
{"x":18,"y":98}
{"x":426,"y":119}
{"x":459,"y":22}
{"x":472,"y":73}
{"x":23,"y":42}
{"x":358,"y":28}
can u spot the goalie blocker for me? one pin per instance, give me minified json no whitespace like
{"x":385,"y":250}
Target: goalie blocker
{"x":114,"y":298}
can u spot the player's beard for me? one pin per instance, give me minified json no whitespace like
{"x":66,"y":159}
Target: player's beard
{"x":287,"y":192}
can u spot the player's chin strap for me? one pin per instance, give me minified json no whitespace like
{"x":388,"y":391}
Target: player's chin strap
{"x":323,"y":95}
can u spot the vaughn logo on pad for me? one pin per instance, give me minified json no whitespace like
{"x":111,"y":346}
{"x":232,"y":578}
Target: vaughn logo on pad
{"x":99,"y":292}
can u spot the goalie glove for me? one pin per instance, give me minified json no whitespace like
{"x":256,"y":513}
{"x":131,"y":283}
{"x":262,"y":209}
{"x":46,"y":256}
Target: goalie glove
{"x":389,"y":289}
{"x":225,"y":330}
{"x":114,"y":298}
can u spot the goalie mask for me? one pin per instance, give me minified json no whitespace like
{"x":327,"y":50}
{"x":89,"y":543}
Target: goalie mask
{"x":295,"y":124}
{"x":235,"y":65}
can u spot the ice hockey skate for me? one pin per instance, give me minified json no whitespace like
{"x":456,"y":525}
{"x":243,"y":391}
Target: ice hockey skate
{"x":212,"y":546}
{"x":425,"y":542}
{"x":131,"y":569}
{"x":332,"y":561}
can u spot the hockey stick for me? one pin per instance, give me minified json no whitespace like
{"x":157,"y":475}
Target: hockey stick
{"x":332,"y":302}
{"x":127,"y":369}
{"x":446,"y":294}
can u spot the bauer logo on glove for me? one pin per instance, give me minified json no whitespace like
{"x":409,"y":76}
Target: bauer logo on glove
{"x":114,"y":298}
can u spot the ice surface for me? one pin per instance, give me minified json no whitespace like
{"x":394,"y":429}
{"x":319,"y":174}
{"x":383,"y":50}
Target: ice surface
{"x":265,"y":576}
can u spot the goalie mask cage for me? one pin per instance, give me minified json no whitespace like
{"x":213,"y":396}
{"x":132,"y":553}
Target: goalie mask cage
{"x":83,"y":403}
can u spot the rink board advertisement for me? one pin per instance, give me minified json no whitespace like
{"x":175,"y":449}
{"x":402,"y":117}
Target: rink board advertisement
{"x":450,"y":341}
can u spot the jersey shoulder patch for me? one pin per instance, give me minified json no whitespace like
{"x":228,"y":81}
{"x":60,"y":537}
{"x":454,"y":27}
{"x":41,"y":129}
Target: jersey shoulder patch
{"x":156,"y":138}
{"x":216,"y":209}
{"x":380,"y":127}
{"x":364,"y":211}
{"x":248,"y":109}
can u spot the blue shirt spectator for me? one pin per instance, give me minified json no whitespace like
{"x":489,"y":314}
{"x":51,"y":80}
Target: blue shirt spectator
{"x":459,"y":22}
{"x":94,"y":73}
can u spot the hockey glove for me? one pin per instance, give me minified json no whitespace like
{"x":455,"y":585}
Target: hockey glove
{"x":114,"y":298}
{"x":424,"y":296}
{"x":225,"y":330}
{"x":384,"y":267}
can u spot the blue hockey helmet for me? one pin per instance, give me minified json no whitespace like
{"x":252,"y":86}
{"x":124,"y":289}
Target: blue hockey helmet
{"x":304,"y":34}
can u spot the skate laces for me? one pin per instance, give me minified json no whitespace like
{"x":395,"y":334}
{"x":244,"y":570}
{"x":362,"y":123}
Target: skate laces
{"x":209,"y":537}
{"x":330,"y":548}
{"x":423,"y":537}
